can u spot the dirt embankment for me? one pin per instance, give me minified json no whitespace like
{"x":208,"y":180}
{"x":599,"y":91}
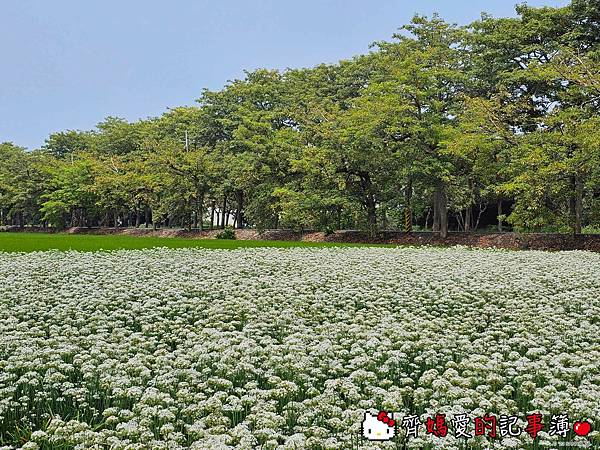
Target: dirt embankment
{"x":516,"y":241}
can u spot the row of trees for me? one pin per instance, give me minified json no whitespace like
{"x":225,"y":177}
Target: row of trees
{"x":432,"y":127}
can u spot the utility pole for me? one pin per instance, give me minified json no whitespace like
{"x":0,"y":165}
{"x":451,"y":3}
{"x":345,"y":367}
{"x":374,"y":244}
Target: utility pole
{"x":187,"y":142}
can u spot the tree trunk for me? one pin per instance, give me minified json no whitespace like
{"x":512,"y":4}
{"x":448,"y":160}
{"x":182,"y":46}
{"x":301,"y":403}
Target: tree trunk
{"x":200,"y":212}
{"x":408,"y":214}
{"x":499,"y":215}
{"x":193,"y":215}
{"x":468,"y":222}
{"x":575,"y":202}
{"x":443,"y":214}
{"x":578,"y":205}
{"x":468,"y":219}
{"x":371,"y":214}
{"x":239,"y":214}
{"x":138,"y":216}
{"x":212,"y":214}
{"x":369,"y":201}
{"x":441,"y":210}
{"x":460,"y":221}
{"x":224,"y":212}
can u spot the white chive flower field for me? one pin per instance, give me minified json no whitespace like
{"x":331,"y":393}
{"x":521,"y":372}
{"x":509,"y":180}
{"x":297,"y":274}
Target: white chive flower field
{"x":287,"y":348}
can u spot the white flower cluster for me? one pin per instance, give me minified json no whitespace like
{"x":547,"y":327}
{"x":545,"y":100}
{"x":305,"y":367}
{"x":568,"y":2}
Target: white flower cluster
{"x":286,"y":348}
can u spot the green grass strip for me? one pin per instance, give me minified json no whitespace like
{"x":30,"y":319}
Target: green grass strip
{"x":32,"y":242}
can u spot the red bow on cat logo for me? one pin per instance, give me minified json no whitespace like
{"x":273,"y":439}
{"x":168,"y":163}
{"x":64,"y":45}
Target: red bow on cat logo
{"x":383,"y":417}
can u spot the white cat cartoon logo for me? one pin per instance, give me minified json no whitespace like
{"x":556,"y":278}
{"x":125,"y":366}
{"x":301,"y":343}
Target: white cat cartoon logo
{"x":378,"y":428}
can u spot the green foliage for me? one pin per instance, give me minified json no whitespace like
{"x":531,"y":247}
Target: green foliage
{"x":22,"y":181}
{"x":227,"y":233}
{"x":65,"y":143}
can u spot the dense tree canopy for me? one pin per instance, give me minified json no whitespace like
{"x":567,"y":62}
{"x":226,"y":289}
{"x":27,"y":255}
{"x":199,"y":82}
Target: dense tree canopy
{"x":436,"y":129}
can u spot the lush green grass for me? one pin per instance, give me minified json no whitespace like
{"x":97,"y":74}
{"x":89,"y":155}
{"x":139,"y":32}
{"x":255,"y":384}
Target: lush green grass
{"x":31,"y":242}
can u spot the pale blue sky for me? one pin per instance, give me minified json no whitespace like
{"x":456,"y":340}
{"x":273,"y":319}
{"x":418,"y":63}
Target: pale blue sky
{"x":67,"y":64}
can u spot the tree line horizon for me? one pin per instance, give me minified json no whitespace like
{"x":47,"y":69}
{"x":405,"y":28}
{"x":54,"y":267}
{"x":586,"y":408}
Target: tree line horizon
{"x":430,"y":130}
